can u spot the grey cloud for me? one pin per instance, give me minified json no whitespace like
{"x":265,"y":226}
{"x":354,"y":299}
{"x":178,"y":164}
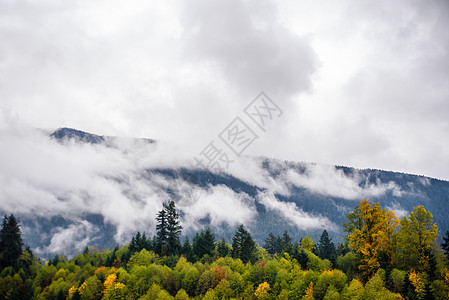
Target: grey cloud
{"x":249,"y":45}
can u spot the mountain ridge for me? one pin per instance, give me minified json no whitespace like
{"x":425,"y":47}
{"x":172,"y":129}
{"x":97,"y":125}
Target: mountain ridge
{"x":302,"y":198}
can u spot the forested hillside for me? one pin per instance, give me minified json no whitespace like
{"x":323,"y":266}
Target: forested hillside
{"x":383,"y":257}
{"x":108,"y":203}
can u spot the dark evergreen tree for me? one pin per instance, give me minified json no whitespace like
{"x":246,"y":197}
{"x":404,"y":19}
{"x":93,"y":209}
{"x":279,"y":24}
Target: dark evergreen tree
{"x":222,"y":248}
{"x":326,"y":248}
{"x":204,"y":243}
{"x":286,"y":242}
{"x":161,"y":233}
{"x":303,"y":259}
{"x":300,"y":255}
{"x":272,"y":244}
{"x":445,"y":244}
{"x":11,"y":243}
{"x":61,"y":296}
{"x":111,"y":258}
{"x":342,"y":249}
{"x":209,"y":242}
{"x":139,"y":242}
{"x":76,"y":295}
{"x":243,"y":245}
{"x":187,"y":250}
{"x":432,"y":272}
{"x":55,"y":261}
{"x":146,"y":243}
{"x":173,"y":229}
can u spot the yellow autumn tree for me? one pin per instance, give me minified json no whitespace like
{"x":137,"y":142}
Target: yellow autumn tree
{"x":83,"y":287}
{"x":371,"y":231}
{"x":110,"y":280}
{"x":264,"y":286}
{"x":309,"y":292}
{"x":307,"y":243}
{"x":418,"y":284}
{"x":72,"y":291}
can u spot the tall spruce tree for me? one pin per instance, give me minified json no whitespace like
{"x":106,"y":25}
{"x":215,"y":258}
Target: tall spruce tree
{"x":204,"y":243}
{"x":173,"y":229}
{"x":445,"y":244}
{"x":222,"y":248}
{"x":168,"y":230}
{"x":286,"y":242}
{"x":186,"y":250}
{"x":326,"y":248}
{"x":161,"y":233}
{"x":243,"y":245}
{"x":11,"y":243}
{"x":272,"y":244}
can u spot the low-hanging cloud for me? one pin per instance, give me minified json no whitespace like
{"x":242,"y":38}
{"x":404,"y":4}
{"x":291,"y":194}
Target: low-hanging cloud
{"x":295,"y":215}
{"x":75,"y":237}
{"x":316,"y":178}
{"x":43,"y":177}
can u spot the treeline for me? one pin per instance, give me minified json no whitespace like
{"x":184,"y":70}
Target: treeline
{"x":382,"y":258}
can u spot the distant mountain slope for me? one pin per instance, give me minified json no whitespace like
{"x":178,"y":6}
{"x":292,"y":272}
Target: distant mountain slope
{"x":65,"y":134}
{"x":302,"y":198}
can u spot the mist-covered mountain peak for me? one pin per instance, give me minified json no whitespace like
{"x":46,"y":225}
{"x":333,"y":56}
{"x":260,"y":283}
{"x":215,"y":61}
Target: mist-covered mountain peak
{"x":98,"y":190}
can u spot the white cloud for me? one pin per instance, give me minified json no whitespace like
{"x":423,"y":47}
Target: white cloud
{"x":73,"y":238}
{"x":398,"y":210}
{"x":222,"y":206}
{"x":295,"y":215}
{"x":317,"y":178}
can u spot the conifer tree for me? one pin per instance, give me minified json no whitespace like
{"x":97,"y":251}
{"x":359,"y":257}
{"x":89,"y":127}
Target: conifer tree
{"x":445,"y":245}
{"x":161,"y":232}
{"x":168,"y":230}
{"x":222,"y":248}
{"x":173,"y":229}
{"x":326,"y":248}
{"x":204,"y":243}
{"x":272,"y":244}
{"x":243,"y":245}
{"x":186,"y":250}
{"x":11,"y":243}
{"x":286,"y":242}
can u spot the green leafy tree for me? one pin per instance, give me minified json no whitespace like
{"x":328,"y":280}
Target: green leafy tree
{"x":11,"y":243}
{"x":308,"y":244}
{"x":243,"y":245}
{"x":415,"y":238}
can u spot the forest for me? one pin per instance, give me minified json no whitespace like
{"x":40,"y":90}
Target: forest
{"x":382,"y":257}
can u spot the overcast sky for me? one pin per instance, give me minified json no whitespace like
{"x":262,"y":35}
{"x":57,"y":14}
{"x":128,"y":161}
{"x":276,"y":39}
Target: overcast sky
{"x":360,"y":83}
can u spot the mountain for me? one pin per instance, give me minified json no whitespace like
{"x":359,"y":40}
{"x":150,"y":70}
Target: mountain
{"x":107,"y":202}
